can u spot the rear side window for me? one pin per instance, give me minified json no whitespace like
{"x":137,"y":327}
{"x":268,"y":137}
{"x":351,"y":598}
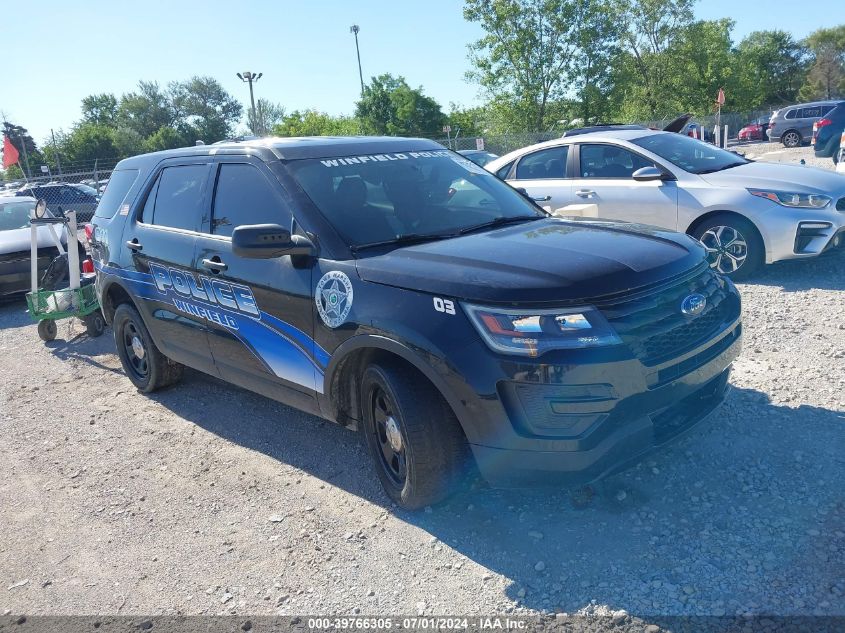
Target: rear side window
{"x":178,"y":197}
{"x":503,"y":171}
{"x":809,"y":113}
{"x":545,"y":164}
{"x":244,"y":196}
{"x":791,"y":114}
{"x":117,"y":189}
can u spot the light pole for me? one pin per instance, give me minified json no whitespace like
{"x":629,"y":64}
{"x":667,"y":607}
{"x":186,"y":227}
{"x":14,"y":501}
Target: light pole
{"x":251,"y":77}
{"x":354,"y":30}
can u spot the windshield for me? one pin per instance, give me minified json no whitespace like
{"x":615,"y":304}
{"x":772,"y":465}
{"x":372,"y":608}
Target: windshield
{"x":387,"y":197}
{"x":87,"y":189}
{"x":689,"y":154}
{"x":15,"y":215}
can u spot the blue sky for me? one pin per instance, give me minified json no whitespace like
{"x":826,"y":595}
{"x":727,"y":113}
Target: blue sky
{"x":60,"y":51}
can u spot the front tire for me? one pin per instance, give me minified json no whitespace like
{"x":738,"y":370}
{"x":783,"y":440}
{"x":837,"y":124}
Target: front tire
{"x":734,"y":247}
{"x":143,"y":363}
{"x":791,"y":138}
{"x":415,"y":440}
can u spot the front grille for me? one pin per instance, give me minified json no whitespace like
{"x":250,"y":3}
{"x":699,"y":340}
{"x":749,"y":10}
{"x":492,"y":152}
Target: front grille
{"x":656,"y":330}
{"x":840,"y":204}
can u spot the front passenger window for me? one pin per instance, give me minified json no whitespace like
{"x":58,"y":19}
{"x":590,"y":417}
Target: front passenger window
{"x":244,"y":196}
{"x":610,"y":161}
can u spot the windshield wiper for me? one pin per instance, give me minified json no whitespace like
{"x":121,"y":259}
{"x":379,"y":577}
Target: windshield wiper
{"x":499,"y":222}
{"x":715,"y":169}
{"x":403,"y":238}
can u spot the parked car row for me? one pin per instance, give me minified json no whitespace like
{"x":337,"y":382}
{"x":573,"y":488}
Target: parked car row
{"x":77,"y":197}
{"x":793,"y":125}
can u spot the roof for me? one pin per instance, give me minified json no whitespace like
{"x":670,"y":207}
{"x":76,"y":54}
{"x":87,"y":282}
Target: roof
{"x":294,"y":148}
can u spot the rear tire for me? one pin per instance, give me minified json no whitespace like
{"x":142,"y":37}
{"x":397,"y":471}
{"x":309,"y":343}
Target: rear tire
{"x":417,"y":445}
{"x":47,"y":330}
{"x":94,"y":324}
{"x":791,"y":138}
{"x":143,"y":363}
{"x":734,"y":247}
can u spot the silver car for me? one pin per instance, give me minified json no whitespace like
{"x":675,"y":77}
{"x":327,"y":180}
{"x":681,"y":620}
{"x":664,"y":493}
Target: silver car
{"x":793,"y":125}
{"x":744,"y":212}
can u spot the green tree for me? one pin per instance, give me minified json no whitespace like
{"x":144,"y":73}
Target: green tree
{"x":826,"y":79}
{"x":771,"y":67}
{"x":203,"y":107}
{"x":100,"y":109}
{"x":648,"y":68}
{"x":527,"y":56}
{"x":267,"y":116}
{"x":146,"y":110}
{"x":467,"y":121}
{"x":390,"y":106}
{"x":315,"y":123}
{"x":165,"y":137}
{"x":88,"y":142}
{"x":597,"y":48}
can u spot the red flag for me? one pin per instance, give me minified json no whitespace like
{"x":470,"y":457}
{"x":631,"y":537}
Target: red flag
{"x":10,"y":154}
{"x":720,"y":99}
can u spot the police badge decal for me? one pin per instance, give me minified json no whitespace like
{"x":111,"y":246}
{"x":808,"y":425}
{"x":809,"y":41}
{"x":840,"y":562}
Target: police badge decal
{"x":334,"y":298}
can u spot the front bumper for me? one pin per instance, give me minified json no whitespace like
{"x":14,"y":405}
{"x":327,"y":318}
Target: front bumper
{"x":570,"y":423}
{"x":798,"y":233}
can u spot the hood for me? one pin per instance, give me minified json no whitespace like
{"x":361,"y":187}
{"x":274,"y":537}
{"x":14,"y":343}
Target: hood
{"x":549,"y":260}
{"x":779,"y":177}
{"x":16,"y":240}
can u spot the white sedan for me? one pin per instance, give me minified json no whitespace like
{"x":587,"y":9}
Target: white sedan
{"x":744,"y":212}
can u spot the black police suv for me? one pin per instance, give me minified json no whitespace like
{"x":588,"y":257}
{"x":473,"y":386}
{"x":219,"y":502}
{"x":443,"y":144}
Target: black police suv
{"x":395,"y":287}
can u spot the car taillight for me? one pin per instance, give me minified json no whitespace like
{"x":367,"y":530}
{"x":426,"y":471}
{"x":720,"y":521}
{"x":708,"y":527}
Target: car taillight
{"x":821,"y":123}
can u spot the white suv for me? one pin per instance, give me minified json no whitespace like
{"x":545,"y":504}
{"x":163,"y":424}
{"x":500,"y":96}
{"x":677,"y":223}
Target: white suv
{"x":744,"y":212}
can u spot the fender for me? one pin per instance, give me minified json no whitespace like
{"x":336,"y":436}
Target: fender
{"x":376,"y":341}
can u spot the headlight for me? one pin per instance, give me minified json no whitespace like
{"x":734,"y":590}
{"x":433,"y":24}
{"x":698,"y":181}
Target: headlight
{"x":532,"y":332}
{"x":795,"y":200}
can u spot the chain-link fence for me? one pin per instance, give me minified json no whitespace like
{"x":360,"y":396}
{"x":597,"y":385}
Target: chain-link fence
{"x":80,"y":190}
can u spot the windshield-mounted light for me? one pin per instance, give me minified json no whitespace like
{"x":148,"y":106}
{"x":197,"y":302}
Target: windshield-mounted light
{"x":533,"y":332}
{"x":792,"y":199}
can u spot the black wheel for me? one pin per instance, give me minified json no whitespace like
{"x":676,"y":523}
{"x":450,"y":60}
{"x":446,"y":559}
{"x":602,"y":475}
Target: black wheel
{"x":734,"y":247}
{"x":144,"y":364}
{"x":791,"y":138}
{"x":94,"y":324}
{"x":413,"y":436}
{"x":47,"y":330}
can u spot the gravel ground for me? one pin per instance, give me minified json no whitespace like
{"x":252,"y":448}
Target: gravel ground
{"x":206,"y":499}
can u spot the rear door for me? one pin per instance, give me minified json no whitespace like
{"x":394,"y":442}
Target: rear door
{"x":161,"y":239}
{"x":604,"y":177}
{"x":544,"y":175}
{"x":805,"y":118}
{"x":265,"y":343}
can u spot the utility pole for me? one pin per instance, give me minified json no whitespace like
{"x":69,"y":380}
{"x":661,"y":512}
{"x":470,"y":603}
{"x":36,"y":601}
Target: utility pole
{"x":250,"y":78}
{"x":354,"y":30}
{"x":56,"y":149}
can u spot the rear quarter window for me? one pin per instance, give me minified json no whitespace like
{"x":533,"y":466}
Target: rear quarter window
{"x":116,"y":191}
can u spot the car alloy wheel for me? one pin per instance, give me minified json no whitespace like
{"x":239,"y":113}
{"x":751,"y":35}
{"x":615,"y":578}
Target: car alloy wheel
{"x":136,"y":353}
{"x":389,"y":438}
{"x":791,"y":139}
{"x":726,"y":248}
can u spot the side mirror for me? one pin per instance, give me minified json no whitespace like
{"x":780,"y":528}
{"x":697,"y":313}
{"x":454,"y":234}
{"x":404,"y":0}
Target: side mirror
{"x":646,"y":174}
{"x":40,"y":208}
{"x":268,"y":241}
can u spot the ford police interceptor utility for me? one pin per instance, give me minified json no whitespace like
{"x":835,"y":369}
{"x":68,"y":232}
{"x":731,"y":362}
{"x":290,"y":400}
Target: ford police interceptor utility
{"x":395,"y":287}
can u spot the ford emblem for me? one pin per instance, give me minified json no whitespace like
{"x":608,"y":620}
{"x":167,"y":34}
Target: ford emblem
{"x":693,"y":305}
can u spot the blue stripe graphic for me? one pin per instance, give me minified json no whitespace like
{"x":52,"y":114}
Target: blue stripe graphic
{"x":284,"y":350}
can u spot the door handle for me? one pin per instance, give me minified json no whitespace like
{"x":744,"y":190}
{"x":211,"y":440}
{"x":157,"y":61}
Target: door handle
{"x":214,"y":264}
{"x":585,"y":193}
{"x":542,"y":199}
{"x":134,"y":245}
